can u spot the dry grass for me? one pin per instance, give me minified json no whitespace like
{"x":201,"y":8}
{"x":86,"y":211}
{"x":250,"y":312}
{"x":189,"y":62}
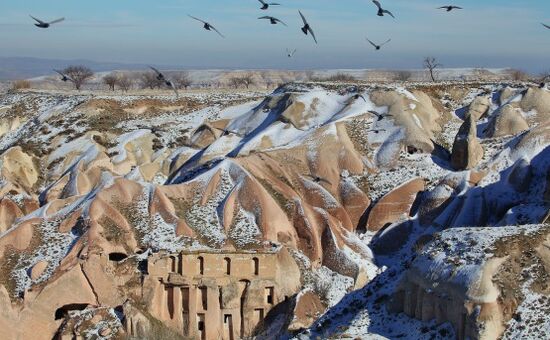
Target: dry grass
{"x":20,"y":85}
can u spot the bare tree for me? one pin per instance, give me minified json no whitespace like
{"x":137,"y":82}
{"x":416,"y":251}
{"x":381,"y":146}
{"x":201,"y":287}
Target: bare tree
{"x":340,"y":77}
{"x":431,"y":64}
{"x":110,"y":80}
{"x":182,"y":80}
{"x":309,"y":75}
{"x":149,"y":80}
{"x":403,"y":75}
{"x":247,"y":79}
{"x":517,"y":75}
{"x":124,"y":82}
{"x":78,"y":74}
{"x":235,"y":82}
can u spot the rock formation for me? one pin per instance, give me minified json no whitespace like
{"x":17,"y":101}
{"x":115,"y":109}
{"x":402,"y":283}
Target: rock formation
{"x":509,"y":122}
{"x":231,"y":215}
{"x":467,"y":151}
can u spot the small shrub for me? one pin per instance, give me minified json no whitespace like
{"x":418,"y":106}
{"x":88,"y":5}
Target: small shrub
{"x":21,"y":85}
{"x":340,"y":77}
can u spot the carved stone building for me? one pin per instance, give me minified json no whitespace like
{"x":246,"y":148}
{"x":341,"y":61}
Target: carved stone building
{"x":214,"y":295}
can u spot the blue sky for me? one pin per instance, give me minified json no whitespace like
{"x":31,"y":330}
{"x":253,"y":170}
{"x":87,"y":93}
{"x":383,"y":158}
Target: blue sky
{"x":159,"y":32}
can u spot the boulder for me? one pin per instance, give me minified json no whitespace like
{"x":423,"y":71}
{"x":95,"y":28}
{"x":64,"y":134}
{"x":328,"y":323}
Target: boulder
{"x":467,"y":151}
{"x":308,"y":308}
{"x":510,"y":121}
{"x":394,"y":205}
{"x":479,"y":107}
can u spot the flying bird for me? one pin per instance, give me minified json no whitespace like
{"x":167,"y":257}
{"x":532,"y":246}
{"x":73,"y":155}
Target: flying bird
{"x":64,"y":77}
{"x":358,"y":95}
{"x":377,"y":47}
{"x":207,"y":26}
{"x":353,"y":98}
{"x":167,"y":82}
{"x":380,"y":116}
{"x":318,"y":179}
{"x":307,"y":28}
{"x":265,"y":5}
{"x":290,"y":53}
{"x":382,"y":11}
{"x":273,"y":20}
{"x":449,"y":8}
{"x":43,"y":24}
{"x":545,"y":25}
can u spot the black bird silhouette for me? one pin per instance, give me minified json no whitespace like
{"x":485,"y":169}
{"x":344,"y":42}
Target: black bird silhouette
{"x":380,"y":116}
{"x":207,"y":26}
{"x":64,"y":77}
{"x":307,"y":28}
{"x":43,"y":24}
{"x":265,"y":5}
{"x":382,"y":11}
{"x":358,"y":95}
{"x":449,"y":8}
{"x":273,"y":20}
{"x":545,"y":25}
{"x":377,"y":47}
{"x":290,"y":53}
{"x":354,"y":98}
{"x":318,"y":179}
{"x":167,"y":82}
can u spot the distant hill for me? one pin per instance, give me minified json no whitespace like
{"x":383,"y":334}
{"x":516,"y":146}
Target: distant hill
{"x":28,"y":67}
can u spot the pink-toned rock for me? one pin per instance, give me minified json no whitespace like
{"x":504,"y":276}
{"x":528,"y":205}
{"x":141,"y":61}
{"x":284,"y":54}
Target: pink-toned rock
{"x":395,"y":205}
{"x":38,"y":269}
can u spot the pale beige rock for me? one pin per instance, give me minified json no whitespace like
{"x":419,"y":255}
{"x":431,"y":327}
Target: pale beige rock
{"x":38,"y":269}
{"x":479,"y":107}
{"x":395,"y":205}
{"x":509,"y":121}
{"x":307,"y":309}
{"x":19,"y":167}
{"x":467,"y":151}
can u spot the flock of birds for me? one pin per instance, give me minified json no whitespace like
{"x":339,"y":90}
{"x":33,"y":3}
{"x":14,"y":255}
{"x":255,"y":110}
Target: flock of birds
{"x":306,"y":29}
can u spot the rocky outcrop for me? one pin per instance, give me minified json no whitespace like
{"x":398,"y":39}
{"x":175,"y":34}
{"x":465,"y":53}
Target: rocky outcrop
{"x":395,"y":205}
{"x":110,"y":208}
{"x":477,"y":287}
{"x":479,"y":107}
{"x":467,"y":151}
{"x":509,"y":121}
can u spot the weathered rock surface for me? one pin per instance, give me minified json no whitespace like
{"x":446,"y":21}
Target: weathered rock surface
{"x":510,"y":121}
{"x":467,"y":151}
{"x":111,"y":207}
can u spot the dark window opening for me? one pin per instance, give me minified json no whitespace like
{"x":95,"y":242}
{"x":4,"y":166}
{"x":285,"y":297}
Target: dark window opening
{"x":117,"y":257}
{"x":201,"y":326}
{"x":185,"y":299}
{"x":269,"y":295}
{"x":201,"y":265}
{"x":204,"y":297}
{"x":227,"y":261}
{"x":170,"y":301}
{"x":172,"y":264}
{"x":412,"y":150}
